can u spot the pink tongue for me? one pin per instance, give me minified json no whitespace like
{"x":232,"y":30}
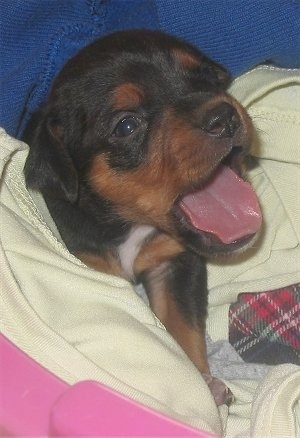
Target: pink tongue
{"x":226,"y":207}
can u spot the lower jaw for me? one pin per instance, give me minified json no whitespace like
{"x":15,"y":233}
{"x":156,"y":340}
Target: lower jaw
{"x":209,"y":246}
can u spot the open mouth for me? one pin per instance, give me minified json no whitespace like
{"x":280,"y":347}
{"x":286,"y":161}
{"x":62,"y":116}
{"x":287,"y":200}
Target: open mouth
{"x":225,"y":212}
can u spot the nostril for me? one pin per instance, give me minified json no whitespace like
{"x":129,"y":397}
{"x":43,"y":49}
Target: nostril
{"x":221,"y":121}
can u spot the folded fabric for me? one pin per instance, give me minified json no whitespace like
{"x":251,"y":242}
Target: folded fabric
{"x":271,"y":96}
{"x":83,"y":324}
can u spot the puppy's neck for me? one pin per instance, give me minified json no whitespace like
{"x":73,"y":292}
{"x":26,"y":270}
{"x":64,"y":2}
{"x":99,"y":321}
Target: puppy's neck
{"x":143,"y":250}
{"x":128,"y":251}
{"x":120,"y":260}
{"x":105,"y":242}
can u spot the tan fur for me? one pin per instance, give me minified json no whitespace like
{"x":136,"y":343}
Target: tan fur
{"x":191,"y":338}
{"x":187,"y":60}
{"x":155,"y":252}
{"x":108,"y":264}
{"x":178,"y":154}
{"x":127,"y":96}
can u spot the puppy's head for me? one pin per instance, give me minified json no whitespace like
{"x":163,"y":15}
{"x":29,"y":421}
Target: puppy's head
{"x":144,"y":121}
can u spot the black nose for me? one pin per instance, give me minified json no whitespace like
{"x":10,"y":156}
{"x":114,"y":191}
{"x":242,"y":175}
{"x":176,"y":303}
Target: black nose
{"x":221,"y":121}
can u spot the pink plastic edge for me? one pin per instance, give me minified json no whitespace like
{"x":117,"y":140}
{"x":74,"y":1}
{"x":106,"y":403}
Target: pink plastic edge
{"x":34,"y":402}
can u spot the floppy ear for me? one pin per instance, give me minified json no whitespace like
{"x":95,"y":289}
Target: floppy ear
{"x":216,"y":73}
{"x":49,"y":167}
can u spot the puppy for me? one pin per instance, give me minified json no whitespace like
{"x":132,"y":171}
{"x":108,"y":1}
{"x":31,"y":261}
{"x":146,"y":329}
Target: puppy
{"x":138,"y":153}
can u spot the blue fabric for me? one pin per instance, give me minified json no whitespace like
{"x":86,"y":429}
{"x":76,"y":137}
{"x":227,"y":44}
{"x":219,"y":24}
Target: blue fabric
{"x":38,"y":36}
{"x":238,"y":33}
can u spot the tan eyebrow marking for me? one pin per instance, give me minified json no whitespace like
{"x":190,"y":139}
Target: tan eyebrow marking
{"x":184,"y":58}
{"x":126,"y":96}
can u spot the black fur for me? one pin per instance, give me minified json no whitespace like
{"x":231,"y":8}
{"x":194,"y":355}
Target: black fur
{"x":79,"y":125}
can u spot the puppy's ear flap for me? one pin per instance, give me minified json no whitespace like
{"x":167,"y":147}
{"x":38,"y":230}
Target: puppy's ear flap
{"x":223,"y":76}
{"x":216,"y":73}
{"x":49,"y":167}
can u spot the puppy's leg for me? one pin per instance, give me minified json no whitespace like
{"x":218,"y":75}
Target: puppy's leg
{"x":177,"y":294}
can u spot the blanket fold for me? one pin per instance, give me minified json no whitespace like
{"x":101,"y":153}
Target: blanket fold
{"x":82,"y":324}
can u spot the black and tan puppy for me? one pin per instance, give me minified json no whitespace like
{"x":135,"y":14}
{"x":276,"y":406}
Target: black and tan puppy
{"x":138,"y":154}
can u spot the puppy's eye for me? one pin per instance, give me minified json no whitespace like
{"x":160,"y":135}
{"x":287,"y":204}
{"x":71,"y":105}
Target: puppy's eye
{"x":126,"y":126}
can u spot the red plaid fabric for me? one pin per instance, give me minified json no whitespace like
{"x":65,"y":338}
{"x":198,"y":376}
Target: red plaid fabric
{"x":264,"y":327}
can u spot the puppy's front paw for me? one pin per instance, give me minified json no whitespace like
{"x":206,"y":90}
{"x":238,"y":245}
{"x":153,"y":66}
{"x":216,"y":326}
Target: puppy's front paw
{"x":219,"y":390}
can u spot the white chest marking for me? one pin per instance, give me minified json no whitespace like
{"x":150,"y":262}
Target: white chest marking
{"x":129,"y":250}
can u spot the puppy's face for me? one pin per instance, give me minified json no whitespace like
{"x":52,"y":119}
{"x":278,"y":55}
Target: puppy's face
{"x":144,"y":121}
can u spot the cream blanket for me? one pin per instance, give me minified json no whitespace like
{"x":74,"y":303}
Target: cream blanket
{"x":82,"y":324}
